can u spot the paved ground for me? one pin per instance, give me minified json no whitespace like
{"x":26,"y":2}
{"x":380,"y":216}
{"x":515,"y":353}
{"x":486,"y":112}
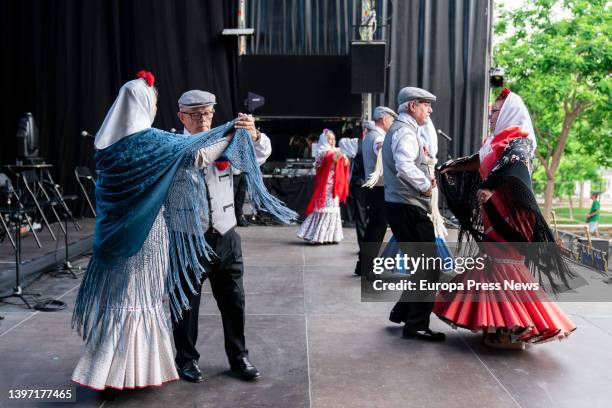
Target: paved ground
{"x":318,"y":345}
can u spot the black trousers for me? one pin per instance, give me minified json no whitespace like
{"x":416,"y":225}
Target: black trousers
{"x":225,"y":275}
{"x":376,"y":227}
{"x":360,"y":215}
{"x":358,"y":195}
{"x":410,"y":224}
{"x":239,"y":194}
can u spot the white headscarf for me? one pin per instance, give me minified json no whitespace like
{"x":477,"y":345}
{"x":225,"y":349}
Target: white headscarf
{"x":514,"y":114}
{"x":323,"y":145}
{"x":133,"y":110}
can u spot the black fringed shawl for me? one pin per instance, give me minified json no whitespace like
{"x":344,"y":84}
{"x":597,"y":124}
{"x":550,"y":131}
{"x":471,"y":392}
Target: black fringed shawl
{"x":523,"y":221}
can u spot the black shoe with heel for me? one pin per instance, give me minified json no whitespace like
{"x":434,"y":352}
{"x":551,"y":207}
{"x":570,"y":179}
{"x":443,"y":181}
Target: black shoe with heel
{"x":424,"y":334}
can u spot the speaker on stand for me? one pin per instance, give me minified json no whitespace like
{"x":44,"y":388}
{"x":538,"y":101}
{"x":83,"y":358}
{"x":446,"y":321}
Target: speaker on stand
{"x":368,"y":66}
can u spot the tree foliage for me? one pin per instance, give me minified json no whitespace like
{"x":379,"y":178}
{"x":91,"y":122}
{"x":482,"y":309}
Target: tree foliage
{"x":558,"y":57}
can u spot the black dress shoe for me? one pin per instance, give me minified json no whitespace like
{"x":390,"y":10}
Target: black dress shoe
{"x":245,"y":369}
{"x":395,"y":318}
{"x":191,"y":372}
{"x":242,"y":221}
{"x":425,"y":334}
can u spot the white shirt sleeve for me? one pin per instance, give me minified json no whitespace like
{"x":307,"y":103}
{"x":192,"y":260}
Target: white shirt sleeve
{"x":207,"y":155}
{"x":349,"y":146}
{"x":377,"y":145}
{"x":263,"y":148}
{"x":405,"y":150}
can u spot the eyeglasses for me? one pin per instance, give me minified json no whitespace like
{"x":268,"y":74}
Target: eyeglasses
{"x":198,"y":115}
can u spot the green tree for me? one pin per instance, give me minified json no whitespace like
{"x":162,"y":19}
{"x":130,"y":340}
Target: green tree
{"x":577,"y":166}
{"x":558,"y":57}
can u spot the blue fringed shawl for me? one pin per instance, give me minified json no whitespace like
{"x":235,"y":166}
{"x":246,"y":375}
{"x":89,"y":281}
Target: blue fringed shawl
{"x":135,"y":179}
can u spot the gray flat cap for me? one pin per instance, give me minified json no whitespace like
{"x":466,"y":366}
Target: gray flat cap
{"x":368,"y":124}
{"x":196,"y":98}
{"x":379,"y":111}
{"x":411,"y":93}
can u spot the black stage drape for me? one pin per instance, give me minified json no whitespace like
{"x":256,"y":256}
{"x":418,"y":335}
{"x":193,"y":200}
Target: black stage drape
{"x":302,"y":27}
{"x":444,"y":46}
{"x":293,"y":191}
{"x":64,"y":61}
{"x":440,"y":45}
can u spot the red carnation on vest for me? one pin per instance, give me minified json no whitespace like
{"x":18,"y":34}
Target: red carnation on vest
{"x":222,"y":165}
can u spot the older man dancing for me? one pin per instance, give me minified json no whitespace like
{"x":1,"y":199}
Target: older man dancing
{"x":196,"y":110}
{"x":408,"y":188}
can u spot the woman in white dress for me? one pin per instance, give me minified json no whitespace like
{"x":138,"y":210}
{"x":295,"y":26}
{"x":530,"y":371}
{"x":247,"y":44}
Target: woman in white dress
{"x":119,"y":309}
{"x":323,"y":224}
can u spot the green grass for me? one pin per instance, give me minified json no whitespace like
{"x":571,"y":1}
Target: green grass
{"x":562,"y":215}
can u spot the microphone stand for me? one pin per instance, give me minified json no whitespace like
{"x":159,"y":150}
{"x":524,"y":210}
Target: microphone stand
{"x":17,"y":290}
{"x":66,"y":267}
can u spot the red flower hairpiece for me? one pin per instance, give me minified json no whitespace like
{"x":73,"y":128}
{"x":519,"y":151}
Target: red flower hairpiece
{"x":504,"y":93}
{"x":147,"y":76}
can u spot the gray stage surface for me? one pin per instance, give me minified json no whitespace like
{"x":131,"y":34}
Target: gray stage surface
{"x":317,"y":345}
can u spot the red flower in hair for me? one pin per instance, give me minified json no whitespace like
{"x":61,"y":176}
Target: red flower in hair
{"x":147,"y":76}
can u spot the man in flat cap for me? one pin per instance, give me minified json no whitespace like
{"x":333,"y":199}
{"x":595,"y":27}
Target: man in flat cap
{"x":408,"y":188}
{"x":196,"y":110}
{"x":376,"y":226}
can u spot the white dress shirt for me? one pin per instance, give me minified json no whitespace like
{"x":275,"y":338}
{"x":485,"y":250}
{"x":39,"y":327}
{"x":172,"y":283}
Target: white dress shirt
{"x":378,"y":142}
{"x":220,"y":182}
{"x":349,"y":146}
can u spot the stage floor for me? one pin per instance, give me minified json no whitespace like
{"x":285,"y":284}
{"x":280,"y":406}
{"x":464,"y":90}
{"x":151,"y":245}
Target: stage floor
{"x":317,"y":345}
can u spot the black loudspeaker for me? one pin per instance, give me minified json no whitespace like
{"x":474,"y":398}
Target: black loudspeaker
{"x":368,"y":66}
{"x":300,"y":85}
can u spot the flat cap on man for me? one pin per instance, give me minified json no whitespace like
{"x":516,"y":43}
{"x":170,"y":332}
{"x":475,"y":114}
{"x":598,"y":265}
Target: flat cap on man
{"x":368,"y":124}
{"x":379,"y":111}
{"x":411,"y":93}
{"x":196,"y":98}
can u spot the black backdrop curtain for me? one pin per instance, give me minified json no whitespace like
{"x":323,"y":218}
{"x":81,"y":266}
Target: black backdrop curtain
{"x":302,"y":27}
{"x":444,"y":46}
{"x":64,"y":61}
{"x":440,"y":45}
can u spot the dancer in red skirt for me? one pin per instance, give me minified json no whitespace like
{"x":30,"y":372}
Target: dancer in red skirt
{"x":491,"y":195}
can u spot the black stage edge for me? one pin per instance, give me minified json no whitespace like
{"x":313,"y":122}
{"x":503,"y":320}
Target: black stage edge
{"x":36,"y":261}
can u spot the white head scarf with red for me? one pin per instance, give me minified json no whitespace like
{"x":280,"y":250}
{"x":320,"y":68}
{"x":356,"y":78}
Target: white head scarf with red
{"x":513,"y":114}
{"x":133,"y":110}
